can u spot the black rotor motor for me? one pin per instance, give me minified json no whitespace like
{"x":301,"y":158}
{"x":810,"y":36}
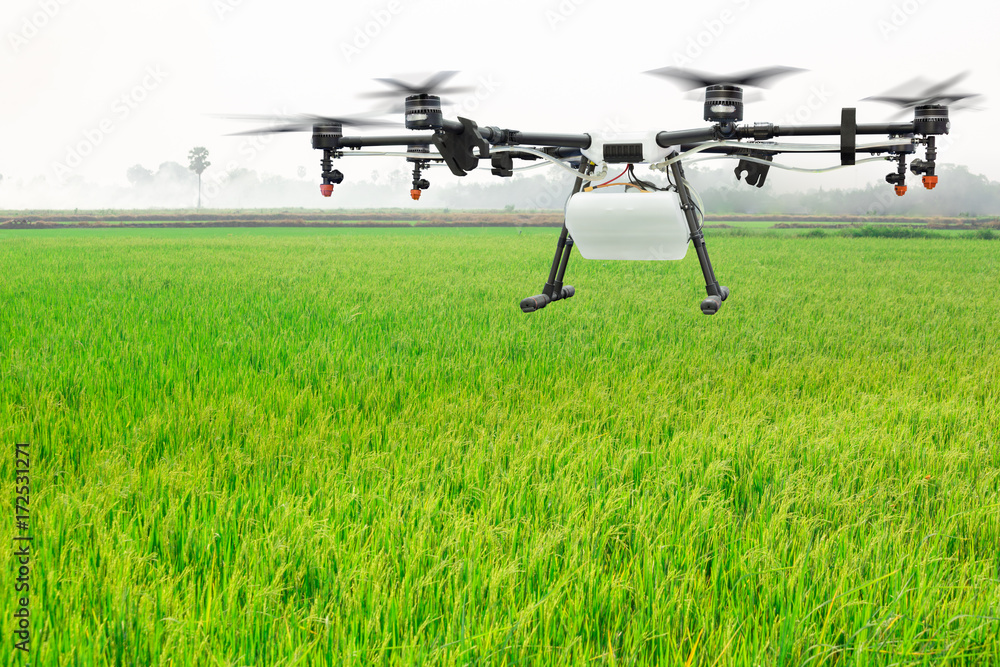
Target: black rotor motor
{"x":724,"y":103}
{"x":931,"y":119}
{"x":423,"y":112}
{"x":327,"y":135}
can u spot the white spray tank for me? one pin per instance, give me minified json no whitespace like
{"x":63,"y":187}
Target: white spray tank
{"x":628,"y":225}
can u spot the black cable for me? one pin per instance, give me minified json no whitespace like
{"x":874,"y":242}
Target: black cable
{"x":631,"y":177}
{"x":671,"y":180}
{"x":646,"y":185}
{"x":694,"y":202}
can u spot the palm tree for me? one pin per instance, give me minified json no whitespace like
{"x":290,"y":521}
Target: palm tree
{"x":198,"y":158}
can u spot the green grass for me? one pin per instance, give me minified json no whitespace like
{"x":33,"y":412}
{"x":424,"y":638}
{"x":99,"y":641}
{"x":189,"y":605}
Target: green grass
{"x":300,"y":446}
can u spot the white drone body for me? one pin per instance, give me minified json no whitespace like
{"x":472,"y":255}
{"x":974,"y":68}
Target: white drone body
{"x":623,"y":147}
{"x":627,"y":225}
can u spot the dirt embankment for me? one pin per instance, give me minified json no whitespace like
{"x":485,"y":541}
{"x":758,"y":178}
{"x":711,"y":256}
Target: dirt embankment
{"x":333,"y":219}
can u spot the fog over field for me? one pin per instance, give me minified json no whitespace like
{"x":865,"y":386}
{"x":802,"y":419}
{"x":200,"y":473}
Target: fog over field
{"x":172,"y":186}
{"x":94,"y":89}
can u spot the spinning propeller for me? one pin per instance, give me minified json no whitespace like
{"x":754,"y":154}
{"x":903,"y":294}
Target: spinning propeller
{"x":693,"y":79}
{"x":932,"y":95}
{"x":422,"y":104}
{"x":723,"y":93}
{"x":432,"y":86}
{"x":304,"y":123}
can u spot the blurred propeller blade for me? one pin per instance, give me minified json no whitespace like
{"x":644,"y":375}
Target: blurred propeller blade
{"x":693,"y":79}
{"x":302,"y":122}
{"x":947,"y":83}
{"x":919,"y":92}
{"x":432,"y":86}
{"x":436,"y":80}
{"x":271,"y":130}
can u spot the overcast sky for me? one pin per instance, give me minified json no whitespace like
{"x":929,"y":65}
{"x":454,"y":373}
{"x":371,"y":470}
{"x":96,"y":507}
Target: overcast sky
{"x":93,"y":87}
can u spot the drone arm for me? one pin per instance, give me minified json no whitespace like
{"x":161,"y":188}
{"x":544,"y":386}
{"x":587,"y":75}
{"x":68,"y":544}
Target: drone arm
{"x":563,"y":153}
{"x":700,"y":135}
{"x":491,"y":134}
{"x":401,"y":140}
{"x":415,"y":139}
{"x":770,"y":150}
{"x":762,"y":131}
{"x":829,"y":130}
{"x":543,"y":139}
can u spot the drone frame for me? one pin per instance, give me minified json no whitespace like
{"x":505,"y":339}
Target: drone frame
{"x":462,"y":143}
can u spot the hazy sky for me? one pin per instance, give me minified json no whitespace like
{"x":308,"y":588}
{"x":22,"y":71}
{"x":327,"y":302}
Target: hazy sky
{"x":95,"y":86}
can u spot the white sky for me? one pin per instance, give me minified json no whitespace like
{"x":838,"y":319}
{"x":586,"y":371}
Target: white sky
{"x":135,"y":81}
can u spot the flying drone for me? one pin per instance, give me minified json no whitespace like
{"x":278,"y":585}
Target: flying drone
{"x":647,"y":221}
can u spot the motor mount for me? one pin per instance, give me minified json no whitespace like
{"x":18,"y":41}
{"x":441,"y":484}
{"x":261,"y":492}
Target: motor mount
{"x":423,"y":112}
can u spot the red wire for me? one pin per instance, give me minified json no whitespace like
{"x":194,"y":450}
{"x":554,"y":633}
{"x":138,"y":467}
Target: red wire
{"x":614,"y":179}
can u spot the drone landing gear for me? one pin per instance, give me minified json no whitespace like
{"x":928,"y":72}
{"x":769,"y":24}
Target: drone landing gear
{"x":554,"y":289}
{"x":716,"y":292}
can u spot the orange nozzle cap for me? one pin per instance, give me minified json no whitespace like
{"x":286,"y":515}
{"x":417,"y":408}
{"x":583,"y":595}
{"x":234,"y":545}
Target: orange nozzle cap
{"x":930,"y":182}
{"x":415,"y":194}
{"x":326,"y":189}
{"x":900,"y":190}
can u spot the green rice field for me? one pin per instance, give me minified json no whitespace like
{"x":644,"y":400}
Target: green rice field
{"x":350,"y":447}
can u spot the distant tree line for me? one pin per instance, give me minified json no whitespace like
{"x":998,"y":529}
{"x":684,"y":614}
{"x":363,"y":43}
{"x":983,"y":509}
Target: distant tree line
{"x":960,"y":193}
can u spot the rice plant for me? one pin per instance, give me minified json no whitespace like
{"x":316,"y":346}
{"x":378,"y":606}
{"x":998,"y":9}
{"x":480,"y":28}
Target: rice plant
{"x":349,"y":447}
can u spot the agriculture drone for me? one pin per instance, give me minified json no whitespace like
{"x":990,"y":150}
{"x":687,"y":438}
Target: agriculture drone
{"x":648,"y":221}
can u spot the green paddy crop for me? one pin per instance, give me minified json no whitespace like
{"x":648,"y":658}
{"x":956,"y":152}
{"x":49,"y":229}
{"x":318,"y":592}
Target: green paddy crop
{"x":278,"y":447}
